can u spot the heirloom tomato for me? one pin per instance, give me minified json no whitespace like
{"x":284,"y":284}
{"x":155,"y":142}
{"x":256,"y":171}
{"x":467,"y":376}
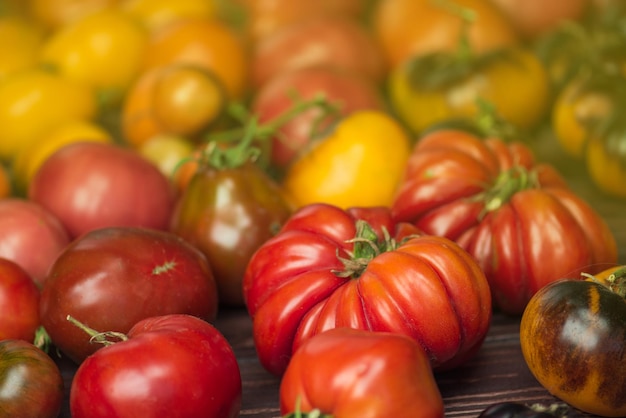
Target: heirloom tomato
{"x":348,"y":373}
{"x":436,"y":87}
{"x":103,"y":49}
{"x":31,"y":385}
{"x":34,"y":101}
{"x":573,"y":334}
{"x":410,"y":28}
{"x":357,"y":268}
{"x":359,"y":163}
{"x":509,"y":212}
{"x":19,"y":298}
{"x":175,"y":366}
{"x":110,"y":278}
{"x":229,"y":208}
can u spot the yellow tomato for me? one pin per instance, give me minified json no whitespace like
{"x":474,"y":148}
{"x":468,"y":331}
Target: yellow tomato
{"x":35,"y":101}
{"x":359,"y":164}
{"x":104,"y":49}
{"x":605,"y":157}
{"x":516,"y":84}
{"x":168,"y":153}
{"x":155,"y":14}
{"x":53,"y":14}
{"x":30,"y":158}
{"x":19,"y":44}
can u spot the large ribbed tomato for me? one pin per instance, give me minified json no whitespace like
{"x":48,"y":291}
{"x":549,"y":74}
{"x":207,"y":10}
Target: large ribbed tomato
{"x":518,"y":219}
{"x":356,"y":268}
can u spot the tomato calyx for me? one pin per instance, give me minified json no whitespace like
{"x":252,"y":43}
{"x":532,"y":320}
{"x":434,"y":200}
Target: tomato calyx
{"x":105,"y":338}
{"x":615,"y":282}
{"x":507,"y":184}
{"x":366,"y":247}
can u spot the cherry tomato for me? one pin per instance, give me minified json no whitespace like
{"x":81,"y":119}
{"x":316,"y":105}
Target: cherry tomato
{"x":31,"y":383}
{"x":103,"y":49}
{"x":30,"y":106}
{"x":111,"y":278}
{"x":360,"y":163}
{"x":494,"y":200}
{"x":329,"y":268}
{"x":442,"y":86}
{"x":54,"y":14}
{"x":169,"y":153}
{"x":177,"y":366}
{"x":572,"y":336}
{"x":19,"y":44}
{"x":19,"y":298}
{"x":347,"y":373}
{"x":155,"y":14}
{"x":207,"y":42}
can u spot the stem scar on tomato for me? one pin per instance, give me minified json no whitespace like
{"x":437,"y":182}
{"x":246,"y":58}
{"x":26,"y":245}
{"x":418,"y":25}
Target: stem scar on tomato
{"x":164,"y":268}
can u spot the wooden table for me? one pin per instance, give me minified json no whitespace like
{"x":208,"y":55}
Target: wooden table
{"x":498,"y":372}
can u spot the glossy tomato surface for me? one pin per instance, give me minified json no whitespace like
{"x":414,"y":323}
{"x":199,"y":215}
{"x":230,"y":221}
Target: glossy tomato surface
{"x":176,"y":366}
{"x":509,"y":212}
{"x":347,"y":373}
{"x":111,"y":278}
{"x":573,"y":334}
{"x":31,"y":385}
{"x":19,"y":298}
{"x":312,"y":277}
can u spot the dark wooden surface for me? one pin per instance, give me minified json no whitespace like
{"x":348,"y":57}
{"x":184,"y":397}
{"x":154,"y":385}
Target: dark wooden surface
{"x":497,"y":373}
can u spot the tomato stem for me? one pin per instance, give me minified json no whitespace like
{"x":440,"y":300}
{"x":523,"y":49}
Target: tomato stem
{"x":507,"y":184}
{"x":98,"y":337}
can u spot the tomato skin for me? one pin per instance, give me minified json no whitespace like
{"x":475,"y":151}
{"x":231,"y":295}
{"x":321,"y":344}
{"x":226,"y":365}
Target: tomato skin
{"x":572,"y":336}
{"x":34,"y":381}
{"x":354,"y":373}
{"x":242,"y":201}
{"x":19,"y":298}
{"x":198,"y":373}
{"x":292,"y":292}
{"x":360,"y":163}
{"x":111,"y":278}
{"x":443,"y":193}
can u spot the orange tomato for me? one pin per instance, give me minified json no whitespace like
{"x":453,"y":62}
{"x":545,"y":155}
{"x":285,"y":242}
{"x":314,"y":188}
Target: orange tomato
{"x":6,"y":189}
{"x":176,"y":99}
{"x":53,"y":14}
{"x":155,"y":14}
{"x":406,"y":28}
{"x":19,"y":44}
{"x":206,"y":42}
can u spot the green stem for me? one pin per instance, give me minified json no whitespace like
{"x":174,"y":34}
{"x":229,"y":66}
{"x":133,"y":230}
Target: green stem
{"x":98,"y":337}
{"x":507,"y":184}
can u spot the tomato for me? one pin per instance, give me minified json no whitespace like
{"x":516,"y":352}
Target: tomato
{"x":31,"y":383}
{"x":19,"y":298}
{"x":345,"y":91}
{"x":267,"y":16}
{"x":177,"y":366}
{"x":31,"y":236}
{"x":356,"y":268}
{"x":155,"y":14}
{"x":410,"y":28}
{"x":228,"y":209}
{"x":345,"y":372}
{"x":338,"y":41}
{"x":174,"y":99}
{"x":30,"y":158}
{"x":19,"y":44}
{"x":572,"y":336}
{"x":437,"y":87}
{"x":54,"y":14}
{"x":168,"y":153}
{"x":605,"y":159}
{"x":103,"y":49}
{"x":207,"y":42}
{"x":30,"y":106}
{"x":6,"y":182}
{"x":110,"y":278}
{"x":509,"y":212}
{"x":89,"y":185}
{"x":360,"y":163}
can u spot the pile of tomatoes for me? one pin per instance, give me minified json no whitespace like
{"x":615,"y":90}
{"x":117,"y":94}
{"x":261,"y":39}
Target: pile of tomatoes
{"x":363,"y":177}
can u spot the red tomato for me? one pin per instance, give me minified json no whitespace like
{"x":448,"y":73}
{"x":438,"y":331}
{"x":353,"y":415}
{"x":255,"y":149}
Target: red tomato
{"x":175,"y":366}
{"x":353,"y":374}
{"x":90,"y":185}
{"x":510,"y":213}
{"x":326,"y":269}
{"x":31,"y":236}
{"x":348,"y":91}
{"x":19,"y":298}
{"x":111,"y":278}
{"x":31,"y":383}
